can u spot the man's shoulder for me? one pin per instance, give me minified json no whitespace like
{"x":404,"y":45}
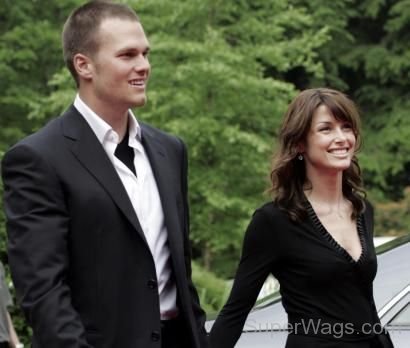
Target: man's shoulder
{"x":159,"y":134}
{"x":43,"y":139}
{"x":47,"y":136}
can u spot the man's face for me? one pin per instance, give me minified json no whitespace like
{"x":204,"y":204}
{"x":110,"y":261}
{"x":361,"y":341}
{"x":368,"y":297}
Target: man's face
{"x":120,"y":68}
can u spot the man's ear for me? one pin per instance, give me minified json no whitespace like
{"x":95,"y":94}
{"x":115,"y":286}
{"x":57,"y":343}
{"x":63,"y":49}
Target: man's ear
{"x":84,"y":66}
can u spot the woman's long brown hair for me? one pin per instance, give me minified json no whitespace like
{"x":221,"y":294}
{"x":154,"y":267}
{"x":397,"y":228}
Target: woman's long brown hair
{"x":288,"y":175}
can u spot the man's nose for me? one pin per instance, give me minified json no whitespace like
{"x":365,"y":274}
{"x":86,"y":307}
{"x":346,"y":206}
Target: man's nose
{"x":142,"y":64}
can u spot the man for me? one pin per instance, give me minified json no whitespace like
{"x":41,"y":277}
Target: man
{"x":96,"y":203}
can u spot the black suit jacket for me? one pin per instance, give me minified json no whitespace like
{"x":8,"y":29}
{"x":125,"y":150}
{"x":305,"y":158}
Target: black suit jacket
{"x":80,"y":263}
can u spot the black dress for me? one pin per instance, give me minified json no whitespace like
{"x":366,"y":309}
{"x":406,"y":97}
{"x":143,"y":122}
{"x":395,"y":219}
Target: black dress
{"x":319,"y":281}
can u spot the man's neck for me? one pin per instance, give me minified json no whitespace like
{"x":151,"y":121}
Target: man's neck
{"x":114,"y":116}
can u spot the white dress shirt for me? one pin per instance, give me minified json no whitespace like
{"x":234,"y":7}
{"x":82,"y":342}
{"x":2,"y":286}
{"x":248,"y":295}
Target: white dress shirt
{"x":143,"y":193}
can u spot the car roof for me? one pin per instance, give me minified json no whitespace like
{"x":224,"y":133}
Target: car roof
{"x":393,"y":273}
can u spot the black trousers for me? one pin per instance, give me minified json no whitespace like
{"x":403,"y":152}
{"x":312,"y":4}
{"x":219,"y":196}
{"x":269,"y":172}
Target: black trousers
{"x":4,"y":345}
{"x":175,"y":334}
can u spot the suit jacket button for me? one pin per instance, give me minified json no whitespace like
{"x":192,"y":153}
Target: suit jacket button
{"x":155,"y":336}
{"x":152,"y":284}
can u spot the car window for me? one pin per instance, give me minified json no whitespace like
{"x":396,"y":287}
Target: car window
{"x":402,"y":318}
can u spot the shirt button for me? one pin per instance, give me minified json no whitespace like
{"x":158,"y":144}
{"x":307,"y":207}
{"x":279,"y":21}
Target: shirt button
{"x":152,"y":284}
{"x":155,"y":336}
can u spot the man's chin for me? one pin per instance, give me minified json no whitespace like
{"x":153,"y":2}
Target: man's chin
{"x":139,"y":103}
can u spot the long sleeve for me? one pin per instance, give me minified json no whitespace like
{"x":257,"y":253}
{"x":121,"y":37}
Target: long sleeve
{"x":199,"y":313}
{"x":38,"y":227}
{"x":259,"y":256}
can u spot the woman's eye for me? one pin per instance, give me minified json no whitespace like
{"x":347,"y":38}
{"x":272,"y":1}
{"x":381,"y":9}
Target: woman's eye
{"x":324,"y":129}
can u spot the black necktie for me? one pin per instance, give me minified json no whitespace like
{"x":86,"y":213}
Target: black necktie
{"x":125,"y":153}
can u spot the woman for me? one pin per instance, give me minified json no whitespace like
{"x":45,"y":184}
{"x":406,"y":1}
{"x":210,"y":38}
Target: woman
{"x":316,"y":235}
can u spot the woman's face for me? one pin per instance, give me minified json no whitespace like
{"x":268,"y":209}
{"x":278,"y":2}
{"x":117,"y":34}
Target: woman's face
{"x":330,"y":144}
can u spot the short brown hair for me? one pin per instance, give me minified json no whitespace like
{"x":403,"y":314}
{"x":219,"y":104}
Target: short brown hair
{"x":288,"y":175}
{"x":81,"y":28}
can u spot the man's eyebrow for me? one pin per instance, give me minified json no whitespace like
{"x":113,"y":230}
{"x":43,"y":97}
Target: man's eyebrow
{"x":134,"y":49}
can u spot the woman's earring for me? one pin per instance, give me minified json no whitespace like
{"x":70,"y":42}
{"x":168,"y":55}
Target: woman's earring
{"x":300,"y":157}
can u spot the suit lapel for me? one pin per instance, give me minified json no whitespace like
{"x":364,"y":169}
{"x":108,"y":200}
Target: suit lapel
{"x":88,"y":150}
{"x":162,"y":169}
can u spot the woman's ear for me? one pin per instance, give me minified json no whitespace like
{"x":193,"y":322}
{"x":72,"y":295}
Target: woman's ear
{"x":300,"y":148}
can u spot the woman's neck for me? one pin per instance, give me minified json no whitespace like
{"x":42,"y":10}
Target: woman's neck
{"x":325,"y":194}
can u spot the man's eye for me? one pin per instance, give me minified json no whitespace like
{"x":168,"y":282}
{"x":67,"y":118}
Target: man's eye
{"x":127,"y":55}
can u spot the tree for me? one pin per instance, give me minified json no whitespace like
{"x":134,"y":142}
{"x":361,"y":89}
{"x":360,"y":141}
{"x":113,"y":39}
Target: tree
{"x":393,"y":217}
{"x":30,"y":53}
{"x":368,"y":57}
{"x":210,"y":85}
{"x":223,"y":73}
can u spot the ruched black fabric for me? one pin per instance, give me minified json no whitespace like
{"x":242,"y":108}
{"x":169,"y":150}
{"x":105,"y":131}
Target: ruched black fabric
{"x":319,"y":280}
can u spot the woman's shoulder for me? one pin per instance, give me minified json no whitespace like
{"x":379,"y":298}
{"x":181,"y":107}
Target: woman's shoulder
{"x":269,"y":213}
{"x":368,"y":210}
{"x":368,"y":207}
{"x":268,"y":231}
{"x":270,"y":208}
{"x":368,"y":217}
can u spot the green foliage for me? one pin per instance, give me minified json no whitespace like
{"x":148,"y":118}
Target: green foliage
{"x":384,"y":96}
{"x":393,"y":218}
{"x":386,"y":157}
{"x":217,"y":81}
{"x":368,"y":57}
{"x":30,"y":53}
{"x":223,"y":73}
{"x":212,"y":291}
{"x":3,"y":239}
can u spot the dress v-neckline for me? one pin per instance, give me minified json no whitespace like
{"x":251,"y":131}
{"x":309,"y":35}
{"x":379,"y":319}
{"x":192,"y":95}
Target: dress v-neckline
{"x":329,"y":238}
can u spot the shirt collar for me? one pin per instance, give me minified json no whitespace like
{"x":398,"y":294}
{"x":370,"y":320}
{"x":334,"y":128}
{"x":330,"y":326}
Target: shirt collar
{"x":101,"y":128}
{"x":134,"y":129}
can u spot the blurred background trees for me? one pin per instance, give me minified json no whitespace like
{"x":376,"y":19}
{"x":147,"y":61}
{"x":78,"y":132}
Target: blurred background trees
{"x":222,"y":76}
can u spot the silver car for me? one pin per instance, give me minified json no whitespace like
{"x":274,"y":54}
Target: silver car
{"x":266,"y":324}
